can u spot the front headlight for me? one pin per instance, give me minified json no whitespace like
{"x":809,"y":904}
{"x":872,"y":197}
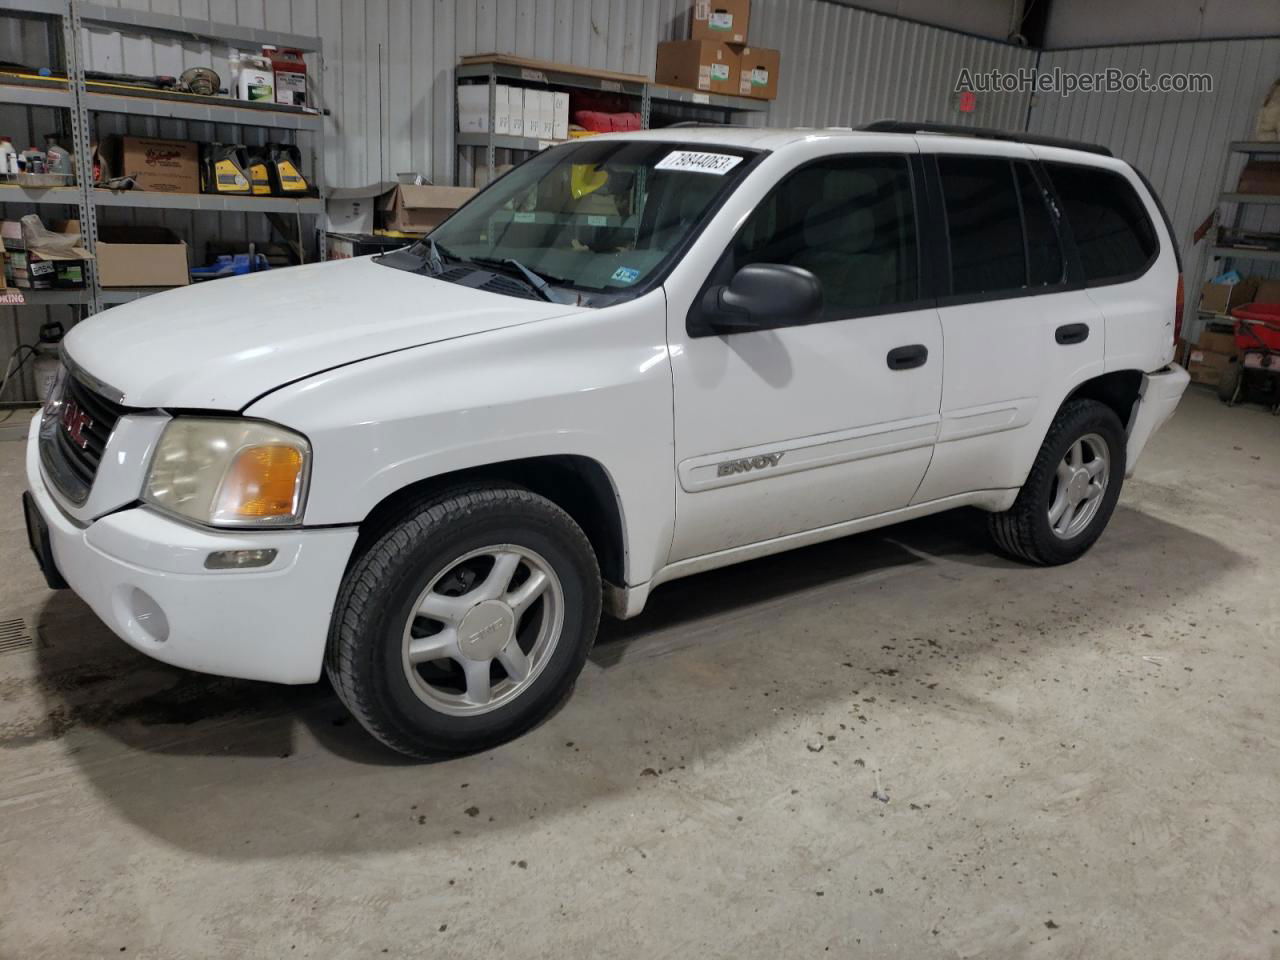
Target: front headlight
{"x":232,"y":473}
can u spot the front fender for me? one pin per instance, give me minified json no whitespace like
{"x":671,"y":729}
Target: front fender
{"x":594,"y":384}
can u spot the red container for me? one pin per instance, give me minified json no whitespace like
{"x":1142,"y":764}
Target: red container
{"x":1257,"y":325}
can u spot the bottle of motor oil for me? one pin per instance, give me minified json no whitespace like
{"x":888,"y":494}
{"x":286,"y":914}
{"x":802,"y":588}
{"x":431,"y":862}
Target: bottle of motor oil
{"x":224,"y":169}
{"x":286,"y":170}
{"x":258,"y":163}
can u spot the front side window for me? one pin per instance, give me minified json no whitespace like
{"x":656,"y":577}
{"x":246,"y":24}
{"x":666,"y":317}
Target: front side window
{"x":590,"y":223}
{"x":1110,"y":225}
{"x":848,"y":220}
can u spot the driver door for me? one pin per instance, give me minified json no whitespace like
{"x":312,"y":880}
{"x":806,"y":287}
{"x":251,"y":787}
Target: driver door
{"x":787,"y":430}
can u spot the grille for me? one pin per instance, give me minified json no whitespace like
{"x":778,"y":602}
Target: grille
{"x":72,"y":448}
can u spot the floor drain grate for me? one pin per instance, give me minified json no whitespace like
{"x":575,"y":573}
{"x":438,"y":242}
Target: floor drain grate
{"x":14,"y":636}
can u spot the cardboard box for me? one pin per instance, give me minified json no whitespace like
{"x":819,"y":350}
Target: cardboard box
{"x":722,"y":20}
{"x":515,"y":111}
{"x":473,"y":108}
{"x":758,"y":72}
{"x":1212,"y":342}
{"x":548,"y":113}
{"x":417,"y":209}
{"x":532,"y":112}
{"x":1221,"y":297}
{"x":135,"y":256}
{"x":1268,"y":292}
{"x":698,"y":65}
{"x":1260,"y":176}
{"x":560,"y":124}
{"x":1207,"y":367}
{"x":157,"y":166}
{"x":351,"y":209}
{"x":501,"y":109}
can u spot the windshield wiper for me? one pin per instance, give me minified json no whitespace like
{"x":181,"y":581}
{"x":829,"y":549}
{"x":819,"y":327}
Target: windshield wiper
{"x":436,"y":255}
{"x":540,"y":282}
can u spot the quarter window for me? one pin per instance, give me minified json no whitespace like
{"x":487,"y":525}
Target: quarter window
{"x":1109,"y":223}
{"x":1045,"y":265}
{"x":848,"y":220}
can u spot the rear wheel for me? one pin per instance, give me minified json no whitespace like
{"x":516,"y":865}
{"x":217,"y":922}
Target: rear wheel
{"x":466,"y":623}
{"x":1071,"y":490}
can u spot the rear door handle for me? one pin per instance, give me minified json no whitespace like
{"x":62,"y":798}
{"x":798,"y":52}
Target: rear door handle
{"x":904,"y":358}
{"x":1072,"y":333}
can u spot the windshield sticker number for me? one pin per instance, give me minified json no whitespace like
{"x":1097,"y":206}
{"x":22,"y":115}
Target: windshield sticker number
{"x":695,"y":161}
{"x":625,"y":275}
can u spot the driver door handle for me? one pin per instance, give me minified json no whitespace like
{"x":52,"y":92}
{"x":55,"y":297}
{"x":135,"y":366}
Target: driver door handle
{"x":908,"y":357}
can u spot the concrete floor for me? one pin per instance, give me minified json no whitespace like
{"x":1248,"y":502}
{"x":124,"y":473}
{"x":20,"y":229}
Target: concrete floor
{"x":895,"y":745}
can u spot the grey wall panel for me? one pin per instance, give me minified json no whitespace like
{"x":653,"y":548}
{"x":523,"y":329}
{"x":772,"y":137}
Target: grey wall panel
{"x":1078,"y":23}
{"x":1178,"y":140}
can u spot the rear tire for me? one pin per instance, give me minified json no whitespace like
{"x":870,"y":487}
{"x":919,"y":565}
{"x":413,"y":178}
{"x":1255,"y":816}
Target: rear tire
{"x":466,"y":623}
{"x":1059,"y":514}
{"x":1230,"y":383}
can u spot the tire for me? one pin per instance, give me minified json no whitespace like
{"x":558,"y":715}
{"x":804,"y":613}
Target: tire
{"x":434,"y":559}
{"x":1229,"y":383}
{"x":1025,"y":530}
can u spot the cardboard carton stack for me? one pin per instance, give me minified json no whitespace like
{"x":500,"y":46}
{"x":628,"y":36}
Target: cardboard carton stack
{"x":517,"y":111}
{"x":716,"y":57}
{"x":1216,"y":349}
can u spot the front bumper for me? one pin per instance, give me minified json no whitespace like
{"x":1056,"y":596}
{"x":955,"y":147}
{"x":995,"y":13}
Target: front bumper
{"x":1158,"y":397}
{"x":144,"y":575}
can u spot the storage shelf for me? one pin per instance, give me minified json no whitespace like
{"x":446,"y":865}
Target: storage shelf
{"x":206,"y":109}
{"x":207,"y":202}
{"x":47,"y":298}
{"x":504,"y":141}
{"x":1260,"y":198}
{"x":1244,"y":253}
{"x":721,"y":101}
{"x":118,"y":18}
{"x":12,"y":193}
{"x":550,"y":77}
{"x":1255,"y":146}
{"x":52,"y":95}
{"x":36,"y":8}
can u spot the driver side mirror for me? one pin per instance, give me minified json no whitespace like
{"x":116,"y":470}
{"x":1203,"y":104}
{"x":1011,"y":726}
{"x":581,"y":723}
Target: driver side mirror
{"x":762,"y":296}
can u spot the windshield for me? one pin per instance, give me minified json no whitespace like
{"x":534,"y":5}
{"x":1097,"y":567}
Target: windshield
{"x":595,"y":222}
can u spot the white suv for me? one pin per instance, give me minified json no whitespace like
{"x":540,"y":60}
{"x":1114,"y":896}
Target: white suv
{"x":632,"y":358}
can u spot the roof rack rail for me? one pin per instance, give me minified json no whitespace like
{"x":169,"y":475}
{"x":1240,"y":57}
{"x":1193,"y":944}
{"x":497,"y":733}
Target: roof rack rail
{"x":982,"y":133}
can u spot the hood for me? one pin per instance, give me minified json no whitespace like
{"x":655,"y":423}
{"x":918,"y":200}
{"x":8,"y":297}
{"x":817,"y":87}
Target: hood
{"x":219,"y":344}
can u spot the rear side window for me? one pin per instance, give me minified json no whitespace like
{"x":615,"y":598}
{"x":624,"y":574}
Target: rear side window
{"x":849,"y":220}
{"x":984,"y":225}
{"x":1109,"y":223}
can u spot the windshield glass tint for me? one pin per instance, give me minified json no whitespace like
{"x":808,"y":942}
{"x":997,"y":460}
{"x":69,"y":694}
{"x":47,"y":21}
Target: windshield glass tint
{"x":599,"y":217}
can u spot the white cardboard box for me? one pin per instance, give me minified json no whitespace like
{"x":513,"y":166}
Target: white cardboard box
{"x":515,"y":111}
{"x":473,"y":108}
{"x":560,"y":126}
{"x":548,"y":114}
{"x":501,"y":109}
{"x":532,"y":112}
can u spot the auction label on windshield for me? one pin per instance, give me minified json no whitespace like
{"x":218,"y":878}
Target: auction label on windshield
{"x":695,"y":161}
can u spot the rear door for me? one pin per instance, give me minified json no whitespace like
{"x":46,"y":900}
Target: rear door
{"x":1019,"y":329}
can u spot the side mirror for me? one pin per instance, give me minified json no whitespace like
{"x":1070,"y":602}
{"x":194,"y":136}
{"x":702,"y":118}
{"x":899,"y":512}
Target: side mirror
{"x":761,"y":296}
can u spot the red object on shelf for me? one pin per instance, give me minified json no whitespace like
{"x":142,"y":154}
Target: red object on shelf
{"x":1257,"y":325}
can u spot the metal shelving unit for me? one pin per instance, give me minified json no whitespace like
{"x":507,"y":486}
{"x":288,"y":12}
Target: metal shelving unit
{"x":560,"y":75}
{"x":83,"y":98}
{"x":1219,"y":255}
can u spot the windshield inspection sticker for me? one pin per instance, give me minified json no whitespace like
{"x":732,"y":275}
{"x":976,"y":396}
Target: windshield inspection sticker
{"x":626,"y":275}
{"x":695,"y":161}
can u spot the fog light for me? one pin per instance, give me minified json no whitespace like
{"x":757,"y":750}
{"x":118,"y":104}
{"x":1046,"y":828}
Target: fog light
{"x":239,"y":559}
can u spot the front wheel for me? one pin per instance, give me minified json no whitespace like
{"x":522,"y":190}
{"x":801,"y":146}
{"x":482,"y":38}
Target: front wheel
{"x":1071,"y":490}
{"x":466,"y":623}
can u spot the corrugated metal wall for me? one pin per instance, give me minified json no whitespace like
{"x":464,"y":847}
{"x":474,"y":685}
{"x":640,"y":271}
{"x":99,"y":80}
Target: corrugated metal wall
{"x":1178,"y":140}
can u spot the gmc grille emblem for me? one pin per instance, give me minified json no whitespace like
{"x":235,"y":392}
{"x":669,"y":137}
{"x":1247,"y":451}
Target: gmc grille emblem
{"x":75,"y":421}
